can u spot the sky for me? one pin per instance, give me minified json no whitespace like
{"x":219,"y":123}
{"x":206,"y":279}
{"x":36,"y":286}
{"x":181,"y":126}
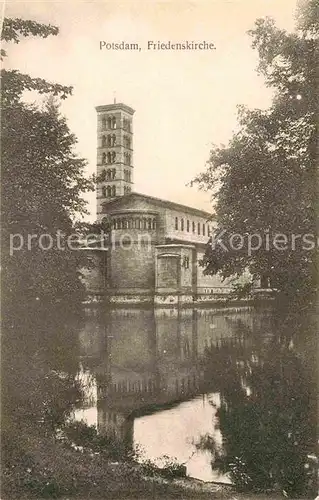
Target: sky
{"x":184,"y":101}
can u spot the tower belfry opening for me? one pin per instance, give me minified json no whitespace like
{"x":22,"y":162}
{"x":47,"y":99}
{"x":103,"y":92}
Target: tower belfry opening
{"x":114,"y":152}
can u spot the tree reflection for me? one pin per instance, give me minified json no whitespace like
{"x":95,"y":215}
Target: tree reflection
{"x":266,"y":415}
{"x":40,"y":387}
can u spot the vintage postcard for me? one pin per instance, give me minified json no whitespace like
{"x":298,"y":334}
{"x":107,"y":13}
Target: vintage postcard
{"x":159,"y":249}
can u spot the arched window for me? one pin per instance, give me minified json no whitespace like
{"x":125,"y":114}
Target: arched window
{"x":154,"y":224}
{"x":109,"y":140}
{"x":103,"y":141}
{"x":204,"y":229}
{"x":113,"y":140}
{"x":102,"y":176}
{"x":113,"y":191}
{"x":193,"y":226}
{"x":109,"y":122}
{"x":108,"y":174}
{"x":103,"y":123}
{"x":198,"y":227}
{"x":149,"y":223}
{"x":144,"y":223}
{"x":104,"y":191}
{"x":127,"y":142}
{"x":187,"y":226}
{"x":111,"y":157}
{"x":176,"y":223}
{"x":182,"y":224}
{"x":113,"y":122}
{"x":103,"y":158}
{"x":109,"y":191}
{"x":127,"y":158}
{"x":113,"y":173}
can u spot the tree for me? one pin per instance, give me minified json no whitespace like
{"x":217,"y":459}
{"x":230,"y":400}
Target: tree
{"x":42,"y":185}
{"x":266,"y":176}
{"x":267,"y":413}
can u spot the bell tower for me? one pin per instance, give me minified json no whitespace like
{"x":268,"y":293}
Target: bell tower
{"x":114,"y":152}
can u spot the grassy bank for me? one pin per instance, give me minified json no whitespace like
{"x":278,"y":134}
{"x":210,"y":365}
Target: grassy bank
{"x":47,"y":468}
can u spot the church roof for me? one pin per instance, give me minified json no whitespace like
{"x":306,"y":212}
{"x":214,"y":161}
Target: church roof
{"x":157,"y":202}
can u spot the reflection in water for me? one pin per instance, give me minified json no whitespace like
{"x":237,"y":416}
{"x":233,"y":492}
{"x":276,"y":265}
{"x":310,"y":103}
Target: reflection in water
{"x":224,"y":391}
{"x":267,"y":415}
{"x":257,"y":428}
{"x":176,"y":431}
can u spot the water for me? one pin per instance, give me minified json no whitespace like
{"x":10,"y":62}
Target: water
{"x":208,"y":388}
{"x":177,"y":431}
{"x":230,"y":393}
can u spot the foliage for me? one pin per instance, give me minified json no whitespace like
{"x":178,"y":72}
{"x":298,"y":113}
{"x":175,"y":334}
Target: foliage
{"x":266,"y":178}
{"x":168,"y":468}
{"x":42,"y":185}
{"x":267,"y":416}
{"x":240,"y":291}
{"x":86,"y":437}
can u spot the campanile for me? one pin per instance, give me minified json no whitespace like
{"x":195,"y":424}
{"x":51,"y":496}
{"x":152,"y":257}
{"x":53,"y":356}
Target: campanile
{"x":114,"y":152}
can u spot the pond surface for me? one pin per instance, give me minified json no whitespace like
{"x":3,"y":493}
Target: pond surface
{"x":216,"y":390}
{"x":229,"y":393}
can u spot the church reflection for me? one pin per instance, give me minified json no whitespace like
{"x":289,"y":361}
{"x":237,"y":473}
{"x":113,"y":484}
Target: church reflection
{"x":145,"y":360}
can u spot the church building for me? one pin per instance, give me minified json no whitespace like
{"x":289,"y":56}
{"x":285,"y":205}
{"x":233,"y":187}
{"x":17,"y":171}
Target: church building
{"x":154,"y":246}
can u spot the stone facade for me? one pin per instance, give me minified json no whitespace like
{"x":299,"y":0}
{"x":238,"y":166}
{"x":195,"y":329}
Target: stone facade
{"x":154,"y":246}
{"x":114,"y":152}
{"x":153,"y":251}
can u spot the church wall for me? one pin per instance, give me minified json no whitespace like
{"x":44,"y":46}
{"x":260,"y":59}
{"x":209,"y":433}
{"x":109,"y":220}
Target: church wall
{"x":174,"y":268}
{"x":133,"y":267}
{"x":186,"y":268}
{"x":184,"y":226}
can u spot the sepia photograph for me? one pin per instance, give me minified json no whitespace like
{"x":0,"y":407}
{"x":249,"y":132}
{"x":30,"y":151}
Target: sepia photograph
{"x":159,"y":215}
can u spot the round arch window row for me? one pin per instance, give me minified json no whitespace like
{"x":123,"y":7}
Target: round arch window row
{"x":111,"y":123}
{"x":191,"y":226}
{"x":146,"y":223}
{"x":110,"y":191}
{"x":110,"y":157}
{"x":110,"y":175}
{"x":109,"y":141}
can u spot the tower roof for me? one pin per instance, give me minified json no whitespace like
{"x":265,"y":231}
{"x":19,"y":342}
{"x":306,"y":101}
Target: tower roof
{"x":115,"y":107}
